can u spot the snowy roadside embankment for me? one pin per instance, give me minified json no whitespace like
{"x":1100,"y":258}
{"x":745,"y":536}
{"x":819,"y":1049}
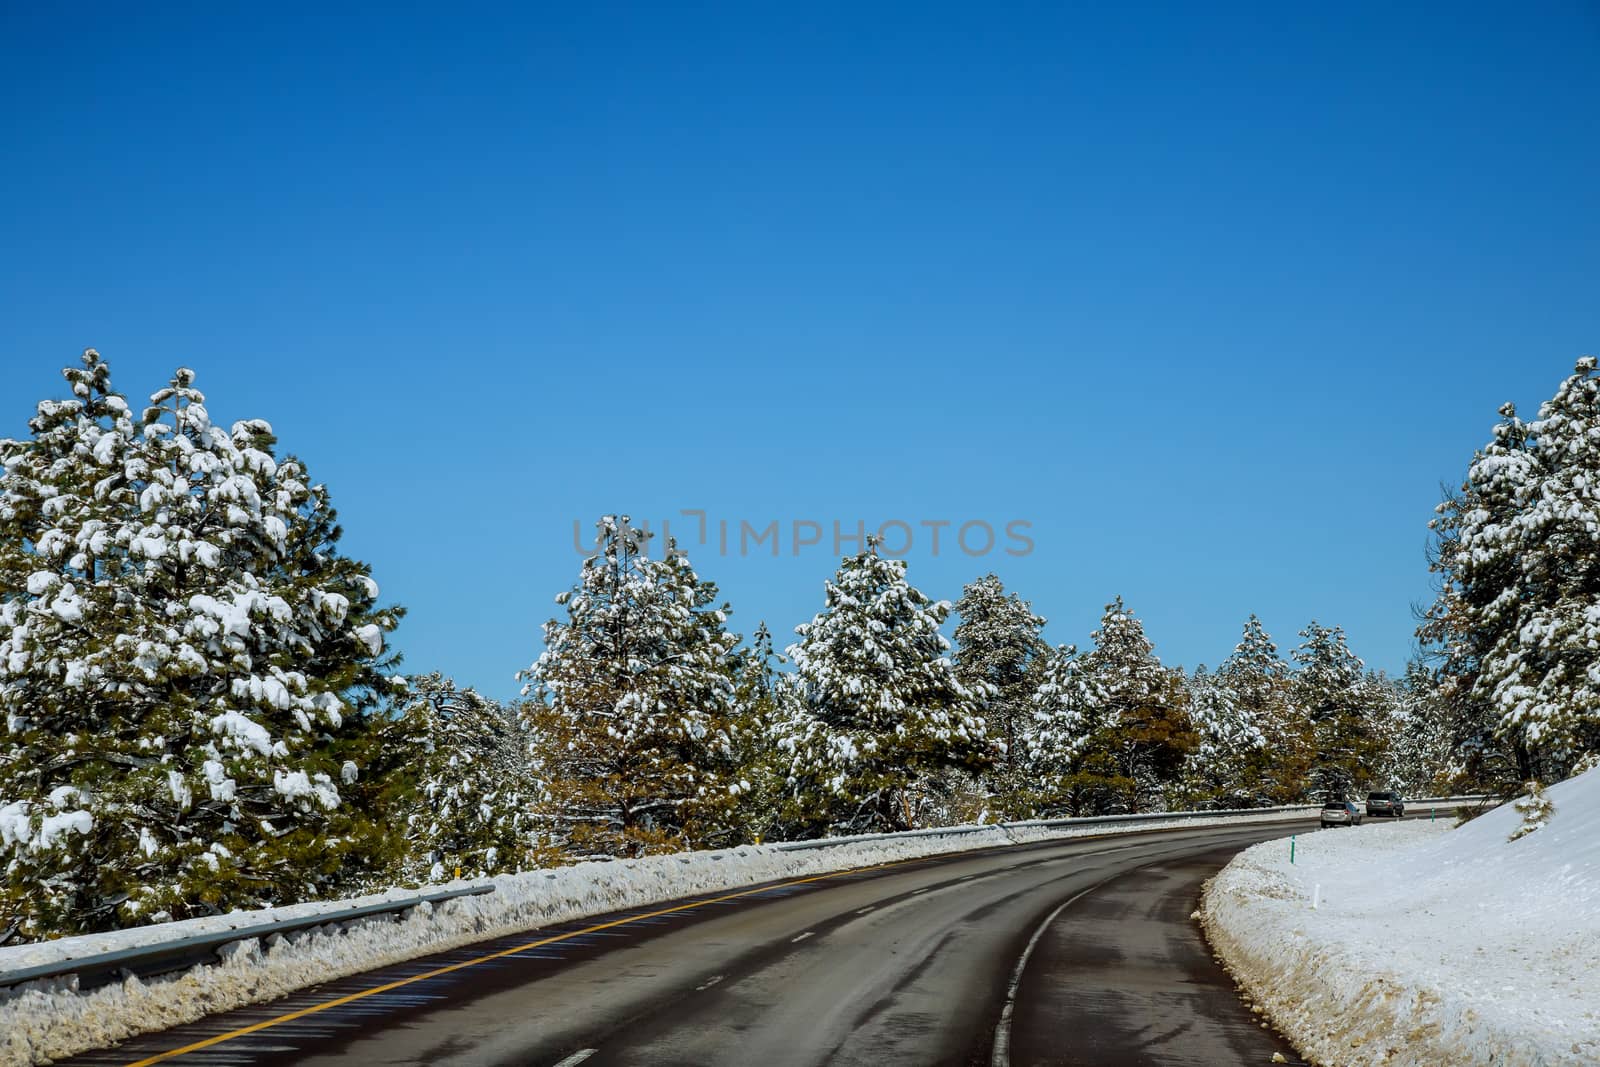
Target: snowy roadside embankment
{"x":1428,"y":945}
{"x":50,"y":1019}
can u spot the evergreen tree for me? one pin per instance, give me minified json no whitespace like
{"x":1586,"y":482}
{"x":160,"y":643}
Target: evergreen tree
{"x":1425,"y":763}
{"x":1223,"y":770}
{"x":1332,"y":694}
{"x":1476,"y":617}
{"x":1148,"y":730}
{"x":473,"y":806}
{"x":1257,"y":683}
{"x":189,"y":669}
{"x":882,"y":713}
{"x":1546,"y":685}
{"x":1112,"y":727}
{"x":1384,"y":701}
{"x":634,"y":703}
{"x":998,"y":652}
{"x":1521,"y":575}
{"x":764,"y":704}
{"x":1418,"y":755}
{"x":1070,"y":772}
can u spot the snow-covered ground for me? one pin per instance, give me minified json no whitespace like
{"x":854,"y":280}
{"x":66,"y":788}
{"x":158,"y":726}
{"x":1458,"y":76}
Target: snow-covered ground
{"x":1427,"y":944}
{"x":51,"y":1019}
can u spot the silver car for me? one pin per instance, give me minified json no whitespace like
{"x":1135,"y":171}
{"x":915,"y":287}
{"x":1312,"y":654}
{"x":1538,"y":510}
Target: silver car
{"x":1340,"y":813}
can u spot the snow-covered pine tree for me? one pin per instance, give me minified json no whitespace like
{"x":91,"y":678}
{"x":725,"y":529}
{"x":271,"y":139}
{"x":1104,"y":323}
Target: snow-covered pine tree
{"x":999,"y":651}
{"x":1536,"y":809}
{"x":1257,"y":682}
{"x":1419,"y":761}
{"x":62,"y":505}
{"x":1223,"y":770}
{"x":1331,"y":693}
{"x":1147,"y":732}
{"x":188,"y":669}
{"x":1386,"y":697}
{"x":1476,"y":616}
{"x":473,"y":807}
{"x":763,"y":702}
{"x":1542,"y":679}
{"x":883,"y":717}
{"x":633,"y":704}
{"x":1071,"y":772}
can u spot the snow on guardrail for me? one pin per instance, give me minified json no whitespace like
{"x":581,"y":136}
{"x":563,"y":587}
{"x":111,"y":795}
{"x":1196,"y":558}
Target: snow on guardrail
{"x":258,"y":956}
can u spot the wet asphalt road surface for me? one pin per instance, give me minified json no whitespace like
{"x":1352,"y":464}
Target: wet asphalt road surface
{"x":909,"y":964}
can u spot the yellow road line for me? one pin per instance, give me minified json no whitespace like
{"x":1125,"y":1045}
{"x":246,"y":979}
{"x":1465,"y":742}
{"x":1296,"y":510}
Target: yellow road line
{"x":341,"y":1001}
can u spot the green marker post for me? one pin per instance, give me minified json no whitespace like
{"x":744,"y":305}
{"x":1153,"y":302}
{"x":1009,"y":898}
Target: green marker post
{"x":1291,"y":848}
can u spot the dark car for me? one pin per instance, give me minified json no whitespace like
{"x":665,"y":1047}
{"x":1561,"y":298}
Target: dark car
{"x":1385,"y":803}
{"x":1340,"y":813}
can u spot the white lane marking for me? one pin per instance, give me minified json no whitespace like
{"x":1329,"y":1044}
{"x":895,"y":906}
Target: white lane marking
{"x":1001,"y":1056}
{"x":869,"y":907}
{"x":713,"y":980}
{"x":802,"y":937}
{"x":577,"y":1057}
{"x":919,"y":892}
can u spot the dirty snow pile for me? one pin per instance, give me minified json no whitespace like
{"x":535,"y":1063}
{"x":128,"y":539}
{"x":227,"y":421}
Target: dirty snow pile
{"x":1426,"y":944}
{"x":52,"y":1019}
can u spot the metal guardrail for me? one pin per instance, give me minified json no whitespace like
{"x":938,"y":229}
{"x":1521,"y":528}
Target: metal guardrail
{"x":182,"y":953}
{"x":1093,"y":820}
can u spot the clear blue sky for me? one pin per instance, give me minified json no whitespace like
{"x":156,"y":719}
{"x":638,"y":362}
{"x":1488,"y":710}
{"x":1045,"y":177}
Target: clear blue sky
{"x":1213,"y":297}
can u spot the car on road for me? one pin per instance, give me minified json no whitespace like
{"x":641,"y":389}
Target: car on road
{"x":1385,"y":803}
{"x":1340,"y":813}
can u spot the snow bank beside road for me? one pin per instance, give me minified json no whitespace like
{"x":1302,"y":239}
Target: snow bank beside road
{"x":1429,"y":945}
{"x":51,"y":1019}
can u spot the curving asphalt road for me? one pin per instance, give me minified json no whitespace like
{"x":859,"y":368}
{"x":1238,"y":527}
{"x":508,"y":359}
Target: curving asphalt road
{"x":1077,"y":952}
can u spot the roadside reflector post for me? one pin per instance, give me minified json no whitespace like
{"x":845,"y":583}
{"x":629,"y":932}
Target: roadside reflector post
{"x":1316,"y":896}
{"x":1291,"y":848}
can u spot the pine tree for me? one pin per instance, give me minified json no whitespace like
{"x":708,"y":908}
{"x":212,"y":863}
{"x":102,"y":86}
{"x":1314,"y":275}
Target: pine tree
{"x":1332,"y":694}
{"x":999,"y":652}
{"x":634,"y":703}
{"x":1257,"y":682}
{"x":472,"y":811}
{"x":1536,"y":810}
{"x":1543,"y":681}
{"x":1071,"y":773}
{"x":1112,"y":728}
{"x":1423,"y":752}
{"x":189,"y":670}
{"x":1415,"y":726}
{"x":1476,"y":612}
{"x":882,"y":713}
{"x":764,"y":704}
{"x":1223,"y":770}
{"x":1518,"y":554}
{"x":1148,"y":730}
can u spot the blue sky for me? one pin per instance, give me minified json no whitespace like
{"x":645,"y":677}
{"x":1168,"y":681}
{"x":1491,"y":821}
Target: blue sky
{"x":1213,"y":297}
